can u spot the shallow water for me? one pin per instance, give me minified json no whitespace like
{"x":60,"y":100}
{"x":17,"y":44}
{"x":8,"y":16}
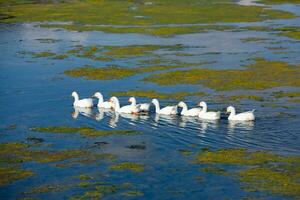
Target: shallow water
{"x":36,"y":93}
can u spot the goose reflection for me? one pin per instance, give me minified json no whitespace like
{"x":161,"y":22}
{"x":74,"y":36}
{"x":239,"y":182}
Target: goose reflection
{"x":186,"y":119}
{"x":87,"y":112}
{"x":206,"y":125}
{"x":101,"y":113}
{"x":240,"y":125}
{"x":165,"y":118}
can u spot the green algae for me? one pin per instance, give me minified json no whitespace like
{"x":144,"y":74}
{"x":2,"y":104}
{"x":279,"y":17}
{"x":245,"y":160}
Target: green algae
{"x":255,"y":39}
{"x":160,"y":95}
{"x":135,"y":167}
{"x":11,"y":174}
{"x":282,"y":94}
{"x":262,"y":74}
{"x":133,"y":193}
{"x":259,"y":170}
{"x":162,"y":31}
{"x":43,"y":54}
{"x":112,"y":72}
{"x":273,"y":181}
{"x":185,"y":152}
{"x":119,"y":12}
{"x":245,"y":96}
{"x":214,"y":170}
{"x":48,"y":189}
{"x":85,"y":131}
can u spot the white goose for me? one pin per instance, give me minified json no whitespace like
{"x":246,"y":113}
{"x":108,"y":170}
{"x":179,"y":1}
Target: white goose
{"x":191,"y":112}
{"x":101,"y":102}
{"x":208,"y":115}
{"x":125,"y":109}
{"x":168,"y":110}
{"x":245,"y":116}
{"x":142,"y":107}
{"x":82,"y":103}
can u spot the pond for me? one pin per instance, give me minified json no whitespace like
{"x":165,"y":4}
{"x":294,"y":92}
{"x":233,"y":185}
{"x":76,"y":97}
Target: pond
{"x":147,"y":156}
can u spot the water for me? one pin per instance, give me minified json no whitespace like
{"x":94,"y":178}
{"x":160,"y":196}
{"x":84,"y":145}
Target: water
{"x":35,"y":93}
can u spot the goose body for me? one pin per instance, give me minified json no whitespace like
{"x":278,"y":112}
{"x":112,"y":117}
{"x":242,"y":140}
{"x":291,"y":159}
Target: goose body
{"x":142,"y":107}
{"x":168,"y":110}
{"x":208,"y":115}
{"x":101,"y":102}
{"x":245,"y":116}
{"x":188,"y":112}
{"x":82,"y":103}
{"x":125,"y":109}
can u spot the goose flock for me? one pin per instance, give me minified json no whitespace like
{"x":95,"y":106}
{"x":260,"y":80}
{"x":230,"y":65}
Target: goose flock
{"x":134,"y":108}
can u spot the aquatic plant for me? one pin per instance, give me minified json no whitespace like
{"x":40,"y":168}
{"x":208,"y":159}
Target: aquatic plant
{"x":160,"y":95}
{"x":13,"y":173}
{"x":135,"y":167}
{"x":262,"y":74}
{"x":185,"y":152}
{"x":85,"y":131}
{"x":120,"y":13}
{"x":133,"y":193}
{"x":281,"y":94}
{"x":262,"y":171}
{"x":245,"y":96}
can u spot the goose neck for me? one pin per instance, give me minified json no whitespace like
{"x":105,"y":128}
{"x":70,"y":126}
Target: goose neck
{"x":116,"y":104}
{"x":157,"y":107}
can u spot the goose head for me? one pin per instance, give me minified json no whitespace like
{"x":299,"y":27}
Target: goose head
{"x":98,"y":95}
{"x":74,"y":94}
{"x":155,"y":101}
{"x":202,"y":104}
{"x":132,"y":100}
{"x":181,"y":104}
{"x":230,"y":109}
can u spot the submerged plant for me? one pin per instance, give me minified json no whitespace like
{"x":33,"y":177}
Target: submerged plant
{"x":135,"y":167}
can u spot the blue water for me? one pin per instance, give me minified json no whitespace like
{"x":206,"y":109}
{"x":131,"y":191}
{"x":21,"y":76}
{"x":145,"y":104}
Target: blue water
{"x":36,"y":93}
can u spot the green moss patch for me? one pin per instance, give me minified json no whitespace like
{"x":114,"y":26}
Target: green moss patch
{"x":127,"y":12}
{"x":153,"y":94}
{"x":260,"y":75}
{"x":11,"y":174}
{"x":258,"y":170}
{"x":85,"y":131}
{"x":135,"y":167}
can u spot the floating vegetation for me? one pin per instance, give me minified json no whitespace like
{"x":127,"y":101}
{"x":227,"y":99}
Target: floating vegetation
{"x":154,"y":94}
{"x":133,"y":193}
{"x":48,"y":40}
{"x":255,"y":39}
{"x":214,"y":170}
{"x":13,"y":154}
{"x":282,"y":94}
{"x":118,"y":13}
{"x":259,"y":170}
{"x":11,"y":174}
{"x":43,"y":54}
{"x":262,"y":74}
{"x":85,"y":131}
{"x":11,"y":127}
{"x":185,"y":152}
{"x":135,"y":167}
{"x":245,"y":96}
{"x":48,"y":189}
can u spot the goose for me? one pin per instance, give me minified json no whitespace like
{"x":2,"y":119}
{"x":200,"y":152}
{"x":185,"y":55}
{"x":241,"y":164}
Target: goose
{"x":208,"y":115}
{"x":125,"y":109}
{"x":245,"y":116}
{"x":168,"y":110}
{"x":191,"y":112}
{"x":142,"y":107}
{"x":101,"y":103}
{"x":82,"y":103}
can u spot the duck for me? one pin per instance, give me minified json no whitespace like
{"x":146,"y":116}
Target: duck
{"x":188,"y":112}
{"x":208,"y":115}
{"x":245,"y":116}
{"x":142,"y":107}
{"x":125,"y":109}
{"x":101,"y":102}
{"x":82,"y":103}
{"x":168,"y":110}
